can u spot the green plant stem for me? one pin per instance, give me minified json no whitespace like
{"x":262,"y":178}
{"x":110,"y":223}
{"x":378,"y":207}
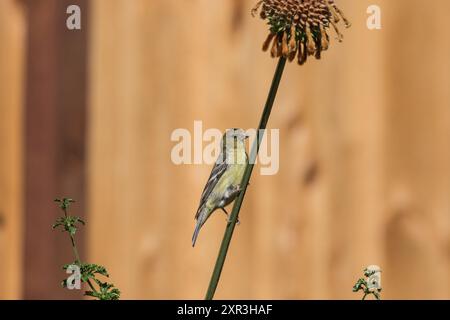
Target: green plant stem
{"x":75,"y":250}
{"x":245,"y":180}
{"x":72,"y":240}
{"x":91,"y":285}
{"x":77,"y":256}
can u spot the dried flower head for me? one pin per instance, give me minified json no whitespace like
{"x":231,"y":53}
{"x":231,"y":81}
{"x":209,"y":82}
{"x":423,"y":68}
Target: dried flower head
{"x":298,"y":28}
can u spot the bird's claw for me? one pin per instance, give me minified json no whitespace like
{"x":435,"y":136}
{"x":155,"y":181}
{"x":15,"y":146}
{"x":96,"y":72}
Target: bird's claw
{"x":238,"y":222}
{"x":228,"y":217}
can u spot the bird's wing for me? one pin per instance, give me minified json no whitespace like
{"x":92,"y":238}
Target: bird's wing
{"x":218,"y":170}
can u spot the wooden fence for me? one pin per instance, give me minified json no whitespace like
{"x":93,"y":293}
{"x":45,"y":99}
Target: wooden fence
{"x":364,"y":167}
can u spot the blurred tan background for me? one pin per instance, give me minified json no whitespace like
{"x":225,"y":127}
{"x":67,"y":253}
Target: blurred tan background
{"x":364,"y":156}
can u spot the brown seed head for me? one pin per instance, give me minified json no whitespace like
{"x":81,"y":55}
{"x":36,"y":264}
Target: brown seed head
{"x":299,"y":27}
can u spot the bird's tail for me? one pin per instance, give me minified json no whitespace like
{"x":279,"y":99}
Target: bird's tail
{"x":196,"y":232}
{"x":201,"y":218}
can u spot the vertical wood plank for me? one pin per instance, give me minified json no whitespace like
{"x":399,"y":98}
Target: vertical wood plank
{"x":55,"y":129}
{"x":348,"y":114}
{"x":417,"y":153}
{"x":12,"y":53}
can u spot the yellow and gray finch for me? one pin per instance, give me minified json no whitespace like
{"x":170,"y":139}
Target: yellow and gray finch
{"x":223,"y":185}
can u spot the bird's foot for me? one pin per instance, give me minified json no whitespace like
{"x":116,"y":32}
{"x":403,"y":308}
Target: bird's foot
{"x":238,"y":222}
{"x":228,"y":217}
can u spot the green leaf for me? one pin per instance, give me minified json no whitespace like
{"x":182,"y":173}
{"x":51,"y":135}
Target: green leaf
{"x":65,"y":203}
{"x":68,"y":224}
{"x":88,"y":271}
{"x":106,"y":291}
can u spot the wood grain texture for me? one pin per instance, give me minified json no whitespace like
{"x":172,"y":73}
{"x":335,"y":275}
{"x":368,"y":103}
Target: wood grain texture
{"x":54,"y":142}
{"x":349,"y":125}
{"x":364,"y":172}
{"x":12,"y":44}
{"x":417,"y":224}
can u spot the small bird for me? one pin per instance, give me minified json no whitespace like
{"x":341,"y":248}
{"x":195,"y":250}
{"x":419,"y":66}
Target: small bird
{"x":223,"y":185}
